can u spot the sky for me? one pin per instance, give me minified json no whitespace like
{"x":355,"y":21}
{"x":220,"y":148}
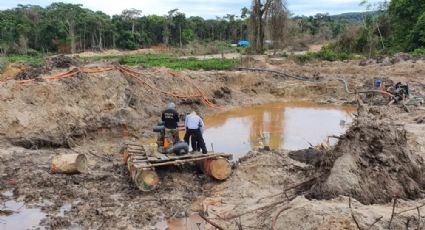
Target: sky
{"x":203,"y":8}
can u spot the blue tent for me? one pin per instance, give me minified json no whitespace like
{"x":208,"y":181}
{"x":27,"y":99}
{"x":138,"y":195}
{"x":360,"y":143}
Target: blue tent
{"x":244,"y":43}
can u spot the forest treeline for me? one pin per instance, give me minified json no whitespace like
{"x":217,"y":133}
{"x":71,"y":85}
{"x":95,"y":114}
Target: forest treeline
{"x":70,"y":28}
{"x":62,"y":27}
{"x":388,"y":27}
{"x":396,"y":26}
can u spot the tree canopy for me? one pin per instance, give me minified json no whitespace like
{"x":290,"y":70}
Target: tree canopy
{"x":68,"y":28}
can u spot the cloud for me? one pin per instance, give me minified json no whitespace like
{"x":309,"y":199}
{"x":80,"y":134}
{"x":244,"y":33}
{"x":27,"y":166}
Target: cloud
{"x":204,"y":8}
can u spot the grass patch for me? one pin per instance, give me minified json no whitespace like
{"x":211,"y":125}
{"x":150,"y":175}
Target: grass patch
{"x":146,"y":60}
{"x":325,"y":54}
{"x":170,"y":61}
{"x":24,"y":59}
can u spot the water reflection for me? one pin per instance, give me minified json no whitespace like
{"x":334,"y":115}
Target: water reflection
{"x":20,"y":217}
{"x":291,"y":126}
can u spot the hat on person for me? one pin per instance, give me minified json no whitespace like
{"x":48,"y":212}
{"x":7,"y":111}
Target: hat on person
{"x":171,"y":105}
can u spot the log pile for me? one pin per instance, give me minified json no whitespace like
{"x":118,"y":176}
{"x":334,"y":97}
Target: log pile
{"x":142,"y":161}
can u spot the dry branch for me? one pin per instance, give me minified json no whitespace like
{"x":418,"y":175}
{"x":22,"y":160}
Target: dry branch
{"x":352,"y":214}
{"x":255,"y":209}
{"x":277,"y":216}
{"x":411,"y":209}
{"x":210,"y":221}
{"x":419,"y":218}
{"x":284,"y":192}
{"x":392,"y":214}
{"x":376,"y":221}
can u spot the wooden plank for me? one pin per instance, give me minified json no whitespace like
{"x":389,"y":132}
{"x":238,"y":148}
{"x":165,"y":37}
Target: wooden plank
{"x":176,"y":162}
{"x":139,"y":157}
{"x":190,"y":156}
{"x":136,"y":149}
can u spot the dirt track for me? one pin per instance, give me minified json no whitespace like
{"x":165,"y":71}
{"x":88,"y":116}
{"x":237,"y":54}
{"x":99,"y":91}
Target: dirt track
{"x":95,"y":115}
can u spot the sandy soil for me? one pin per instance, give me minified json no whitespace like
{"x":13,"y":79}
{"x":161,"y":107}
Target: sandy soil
{"x":95,"y":115}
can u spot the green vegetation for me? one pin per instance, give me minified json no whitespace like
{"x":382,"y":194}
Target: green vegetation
{"x":395,"y":27}
{"x":171,"y":61}
{"x":146,"y":60}
{"x":70,"y":28}
{"x":386,"y":28}
{"x":326,"y":53}
{"x":24,"y":59}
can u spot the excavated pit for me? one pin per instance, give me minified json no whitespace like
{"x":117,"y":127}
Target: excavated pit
{"x":95,"y":114}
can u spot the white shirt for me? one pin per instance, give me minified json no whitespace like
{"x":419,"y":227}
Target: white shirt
{"x":193,"y":121}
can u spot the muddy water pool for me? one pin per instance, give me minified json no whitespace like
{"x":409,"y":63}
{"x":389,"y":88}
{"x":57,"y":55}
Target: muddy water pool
{"x":16,"y":215}
{"x":289,"y":126}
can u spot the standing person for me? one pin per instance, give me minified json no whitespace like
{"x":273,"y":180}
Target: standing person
{"x":194,"y":128}
{"x":170,"y":117}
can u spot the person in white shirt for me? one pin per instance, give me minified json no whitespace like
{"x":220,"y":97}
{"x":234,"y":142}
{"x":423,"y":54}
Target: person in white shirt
{"x":194,"y":129}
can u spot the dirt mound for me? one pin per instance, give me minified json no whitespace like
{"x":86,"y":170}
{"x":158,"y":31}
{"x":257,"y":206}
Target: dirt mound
{"x":55,"y":113}
{"x":62,"y":61}
{"x":12,"y":70}
{"x":36,"y":70}
{"x":371,"y":163}
{"x":33,"y":72}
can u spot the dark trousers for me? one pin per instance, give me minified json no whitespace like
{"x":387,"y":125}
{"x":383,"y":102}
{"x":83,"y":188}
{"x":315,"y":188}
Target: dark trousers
{"x":196,"y":139}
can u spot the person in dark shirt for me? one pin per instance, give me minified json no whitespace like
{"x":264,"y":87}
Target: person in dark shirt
{"x":170,"y":117}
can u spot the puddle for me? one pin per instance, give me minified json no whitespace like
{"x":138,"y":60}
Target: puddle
{"x":21,"y":216}
{"x":290,"y":126}
{"x":64,"y":208}
{"x":194,"y":222}
{"x":7,"y":194}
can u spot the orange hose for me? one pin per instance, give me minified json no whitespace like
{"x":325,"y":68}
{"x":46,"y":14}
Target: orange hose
{"x":132,"y":73}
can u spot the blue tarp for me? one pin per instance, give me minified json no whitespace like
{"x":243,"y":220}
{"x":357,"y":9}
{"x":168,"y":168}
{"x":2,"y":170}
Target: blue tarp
{"x":243,"y":43}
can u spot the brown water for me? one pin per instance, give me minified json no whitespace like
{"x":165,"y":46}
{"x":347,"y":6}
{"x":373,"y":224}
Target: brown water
{"x":290,"y":126}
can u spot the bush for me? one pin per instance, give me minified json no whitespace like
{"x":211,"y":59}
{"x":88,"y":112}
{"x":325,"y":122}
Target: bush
{"x":128,"y":40}
{"x":418,"y":33}
{"x":326,"y":53}
{"x":419,"y":51}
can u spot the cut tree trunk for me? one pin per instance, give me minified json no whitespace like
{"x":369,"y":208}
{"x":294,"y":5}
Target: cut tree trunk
{"x":219,"y":169}
{"x":145,"y":179}
{"x":69,"y":164}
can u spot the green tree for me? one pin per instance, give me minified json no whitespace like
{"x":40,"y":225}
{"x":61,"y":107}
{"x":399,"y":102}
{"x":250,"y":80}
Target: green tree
{"x":67,"y":15}
{"x":405,"y":15}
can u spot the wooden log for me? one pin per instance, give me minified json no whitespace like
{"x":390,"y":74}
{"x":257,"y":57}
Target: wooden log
{"x":69,"y":164}
{"x":145,"y":179}
{"x":125,"y":156}
{"x":218,"y":168}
